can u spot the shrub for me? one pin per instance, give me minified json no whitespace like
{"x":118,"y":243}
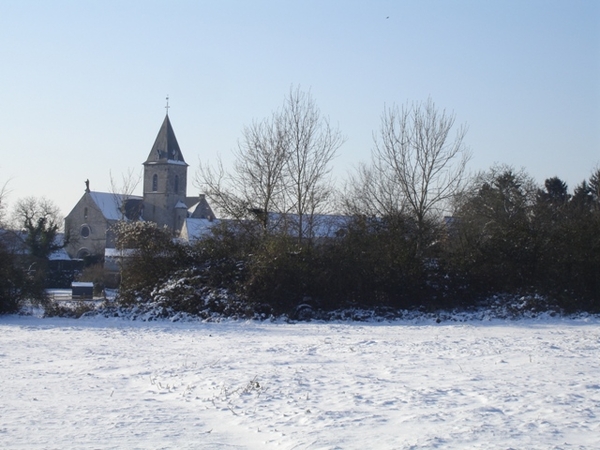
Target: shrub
{"x":150,"y":256}
{"x":12,"y":281}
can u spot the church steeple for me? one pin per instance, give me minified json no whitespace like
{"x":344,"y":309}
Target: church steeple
{"x":165,"y":180}
{"x":165,"y":146}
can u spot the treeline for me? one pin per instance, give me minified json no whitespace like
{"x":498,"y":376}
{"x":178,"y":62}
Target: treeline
{"x":411,"y":230}
{"x":505,"y":236}
{"x":395,"y":249}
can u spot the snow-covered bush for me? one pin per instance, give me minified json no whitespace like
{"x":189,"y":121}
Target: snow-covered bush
{"x":151,"y":255}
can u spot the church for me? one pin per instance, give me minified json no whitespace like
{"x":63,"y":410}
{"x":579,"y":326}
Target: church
{"x":164,"y":201}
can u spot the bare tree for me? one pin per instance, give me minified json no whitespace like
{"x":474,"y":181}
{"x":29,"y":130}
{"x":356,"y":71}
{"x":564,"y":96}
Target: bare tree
{"x":371,"y":191}
{"x":281,"y":166}
{"x":215,"y":183}
{"x":129,"y":182}
{"x":122,"y":193}
{"x":260,"y":164}
{"x":312,"y":143}
{"x":40,"y":218}
{"x":3,"y":195}
{"x":426,"y":162}
{"x":256,"y":185}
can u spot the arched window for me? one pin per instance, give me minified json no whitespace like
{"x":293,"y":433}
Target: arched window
{"x":82,"y":253}
{"x":154,"y":183}
{"x":176,"y":184}
{"x":85,"y":213}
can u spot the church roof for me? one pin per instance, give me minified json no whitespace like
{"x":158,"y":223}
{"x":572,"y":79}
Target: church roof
{"x":110,"y":205}
{"x":165,"y":148}
{"x":200,"y":209}
{"x":194,"y":229}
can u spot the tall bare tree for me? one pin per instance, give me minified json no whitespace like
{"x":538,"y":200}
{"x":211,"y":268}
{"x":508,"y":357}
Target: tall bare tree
{"x":3,"y":194}
{"x":426,"y":161}
{"x":256,"y":185}
{"x":313,"y":143}
{"x":371,"y":191}
{"x":123,"y":191}
{"x":282,"y":165}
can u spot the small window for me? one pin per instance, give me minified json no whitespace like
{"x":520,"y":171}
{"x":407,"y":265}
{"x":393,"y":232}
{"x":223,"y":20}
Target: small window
{"x":154,"y":183}
{"x":85,"y":231}
{"x":85,"y":213}
{"x":176,"y":184}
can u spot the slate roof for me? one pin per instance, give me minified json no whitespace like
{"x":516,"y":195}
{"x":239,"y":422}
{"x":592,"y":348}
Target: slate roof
{"x":109,"y":204}
{"x":194,"y":229}
{"x":321,"y":226}
{"x":165,"y":148}
{"x":15,"y":243}
{"x":199,"y":209}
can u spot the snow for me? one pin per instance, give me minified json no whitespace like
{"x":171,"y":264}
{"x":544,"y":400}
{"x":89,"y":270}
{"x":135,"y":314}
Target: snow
{"x":194,"y":229}
{"x":176,"y":162}
{"x":320,"y":225}
{"x":109,"y":203}
{"x":112,"y":383}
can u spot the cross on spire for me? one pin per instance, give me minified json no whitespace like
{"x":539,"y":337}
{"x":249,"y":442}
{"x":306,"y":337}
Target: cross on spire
{"x":167,"y":107}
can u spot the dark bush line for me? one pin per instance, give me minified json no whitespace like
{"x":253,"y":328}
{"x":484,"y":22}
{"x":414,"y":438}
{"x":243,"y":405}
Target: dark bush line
{"x":506,"y":240}
{"x":371,"y":267}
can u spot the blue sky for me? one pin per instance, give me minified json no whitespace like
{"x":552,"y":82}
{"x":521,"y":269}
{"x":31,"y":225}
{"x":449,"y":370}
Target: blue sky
{"x":83,"y":83}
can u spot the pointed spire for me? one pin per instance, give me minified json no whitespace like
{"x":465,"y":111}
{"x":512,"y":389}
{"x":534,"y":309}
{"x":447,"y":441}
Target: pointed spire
{"x":165,"y":146}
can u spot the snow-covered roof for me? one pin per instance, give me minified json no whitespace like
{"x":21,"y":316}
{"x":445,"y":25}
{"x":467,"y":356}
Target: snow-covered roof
{"x":169,"y":161}
{"x":118,"y":253}
{"x":319,"y":226}
{"x":329,"y":225}
{"x":110,"y":204}
{"x":15,"y":241}
{"x":176,"y":162}
{"x":194,"y":229}
{"x":180,"y":204}
{"x":59,"y":255}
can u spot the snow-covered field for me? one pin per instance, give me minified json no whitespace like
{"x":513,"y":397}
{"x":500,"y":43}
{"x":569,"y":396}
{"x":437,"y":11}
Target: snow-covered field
{"x":111,"y":383}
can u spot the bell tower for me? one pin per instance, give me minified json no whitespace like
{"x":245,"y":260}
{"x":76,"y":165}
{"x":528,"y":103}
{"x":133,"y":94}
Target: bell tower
{"x":165,"y":181}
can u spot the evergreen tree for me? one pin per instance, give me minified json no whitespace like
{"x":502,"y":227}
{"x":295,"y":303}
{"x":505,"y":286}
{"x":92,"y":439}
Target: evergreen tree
{"x":493,"y":239}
